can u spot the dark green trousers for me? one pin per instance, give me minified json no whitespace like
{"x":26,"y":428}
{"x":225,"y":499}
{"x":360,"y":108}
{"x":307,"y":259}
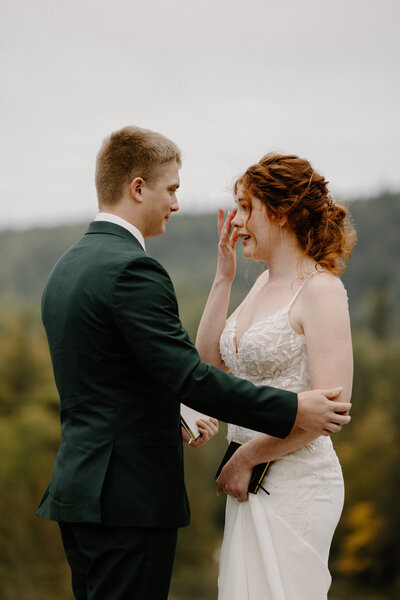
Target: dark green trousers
{"x":119,"y":563}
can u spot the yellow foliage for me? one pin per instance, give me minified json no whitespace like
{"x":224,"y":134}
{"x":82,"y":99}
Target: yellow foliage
{"x":364,"y":528}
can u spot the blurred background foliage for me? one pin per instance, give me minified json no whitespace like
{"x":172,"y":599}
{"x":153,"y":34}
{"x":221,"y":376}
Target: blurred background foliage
{"x":365,"y":555}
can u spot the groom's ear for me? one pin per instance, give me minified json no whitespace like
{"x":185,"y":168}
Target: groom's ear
{"x":136,"y":189}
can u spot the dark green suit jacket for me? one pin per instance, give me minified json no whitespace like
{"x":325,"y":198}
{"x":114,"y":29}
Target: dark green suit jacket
{"x":123,"y":363}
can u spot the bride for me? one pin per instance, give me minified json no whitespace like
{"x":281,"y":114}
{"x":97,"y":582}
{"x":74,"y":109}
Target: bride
{"x":292,"y":331}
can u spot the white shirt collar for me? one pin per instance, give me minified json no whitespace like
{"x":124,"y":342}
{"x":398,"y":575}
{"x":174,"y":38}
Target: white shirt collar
{"x":111,"y":218}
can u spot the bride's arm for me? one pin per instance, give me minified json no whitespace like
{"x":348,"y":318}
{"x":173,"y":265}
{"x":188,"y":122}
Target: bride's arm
{"x":213,"y":319}
{"x":325,"y":321}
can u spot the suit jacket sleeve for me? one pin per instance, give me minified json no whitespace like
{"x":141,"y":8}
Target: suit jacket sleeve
{"x":144,"y":307}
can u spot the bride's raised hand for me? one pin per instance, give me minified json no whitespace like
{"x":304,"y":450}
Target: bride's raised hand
{"x":226,"y":267}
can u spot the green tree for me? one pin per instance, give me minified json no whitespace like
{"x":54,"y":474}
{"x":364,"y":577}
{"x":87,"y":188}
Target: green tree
{"x":32,"y":566}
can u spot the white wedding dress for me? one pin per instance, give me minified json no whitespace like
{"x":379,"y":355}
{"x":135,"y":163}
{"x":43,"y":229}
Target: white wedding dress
{"x":276,"y":547}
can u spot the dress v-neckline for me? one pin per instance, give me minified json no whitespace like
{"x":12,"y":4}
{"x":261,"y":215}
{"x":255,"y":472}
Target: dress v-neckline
{"x":286,"y":308}
{"x":255,"y":324}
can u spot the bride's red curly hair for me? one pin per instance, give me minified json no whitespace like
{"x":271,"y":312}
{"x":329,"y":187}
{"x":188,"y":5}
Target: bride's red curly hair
{"x":289,"y":187}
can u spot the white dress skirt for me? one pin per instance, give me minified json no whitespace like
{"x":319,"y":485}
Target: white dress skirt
{"x":276,"y":546}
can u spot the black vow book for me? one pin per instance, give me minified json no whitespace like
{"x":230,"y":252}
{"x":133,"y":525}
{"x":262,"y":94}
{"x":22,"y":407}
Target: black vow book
{"x":259,"y":471}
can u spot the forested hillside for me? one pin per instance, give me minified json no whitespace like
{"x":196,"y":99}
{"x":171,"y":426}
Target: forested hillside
{"x":188,"y":251}
{"x":365,"y":556}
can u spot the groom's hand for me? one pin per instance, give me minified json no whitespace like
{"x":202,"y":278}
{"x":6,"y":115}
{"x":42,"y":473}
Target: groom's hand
{"x":319,"y":413}
{"x":207,"y":428}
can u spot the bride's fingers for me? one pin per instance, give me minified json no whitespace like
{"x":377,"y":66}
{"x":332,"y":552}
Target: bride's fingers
{"x":221,"y":220}
{"x":234,"y":238}
{"x":224,"y":228}
{"x":227,"y":236}
{"x":231,"y":215}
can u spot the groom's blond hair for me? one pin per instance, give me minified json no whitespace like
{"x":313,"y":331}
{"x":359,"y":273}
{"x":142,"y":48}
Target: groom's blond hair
{"x":128,"y":153}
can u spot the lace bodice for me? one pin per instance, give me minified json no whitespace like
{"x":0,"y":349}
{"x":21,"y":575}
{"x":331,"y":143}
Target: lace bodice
{"x":270,"y":353}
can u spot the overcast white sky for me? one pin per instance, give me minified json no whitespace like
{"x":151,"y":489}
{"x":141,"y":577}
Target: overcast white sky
{"x":227,"y":80}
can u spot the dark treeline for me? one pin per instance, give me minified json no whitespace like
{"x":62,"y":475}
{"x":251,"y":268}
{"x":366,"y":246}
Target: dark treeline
{"x":188,"y":252}
{"x":365,"y":554}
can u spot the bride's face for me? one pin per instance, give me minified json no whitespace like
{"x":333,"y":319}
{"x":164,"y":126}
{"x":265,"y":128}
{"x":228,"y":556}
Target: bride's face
{"x":258,"y":234}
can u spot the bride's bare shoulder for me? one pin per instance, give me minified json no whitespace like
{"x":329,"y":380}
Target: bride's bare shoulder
{"x":324,"y":288}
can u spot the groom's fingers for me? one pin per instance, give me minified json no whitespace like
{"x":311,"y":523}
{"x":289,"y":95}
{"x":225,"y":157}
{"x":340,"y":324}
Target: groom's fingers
{"x":334,"y":428}
{"x":340,"y":411}
{"x":332,"y":392}
{"x":340,"y":408}
{"x":337,"y":423}
{"x":209,"y":426}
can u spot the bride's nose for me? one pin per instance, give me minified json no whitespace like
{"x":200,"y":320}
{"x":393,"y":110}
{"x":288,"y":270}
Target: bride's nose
{"x":236,"y":220}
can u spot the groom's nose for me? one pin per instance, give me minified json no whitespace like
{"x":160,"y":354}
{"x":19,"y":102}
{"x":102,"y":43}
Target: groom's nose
{"x":174,"y":206}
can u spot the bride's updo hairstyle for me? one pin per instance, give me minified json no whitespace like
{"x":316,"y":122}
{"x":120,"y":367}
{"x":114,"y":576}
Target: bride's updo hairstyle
{"x":289,"y":187}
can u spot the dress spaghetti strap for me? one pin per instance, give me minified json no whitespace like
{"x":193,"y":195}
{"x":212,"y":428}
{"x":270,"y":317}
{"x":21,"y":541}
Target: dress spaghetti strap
{"x":302,"y":285}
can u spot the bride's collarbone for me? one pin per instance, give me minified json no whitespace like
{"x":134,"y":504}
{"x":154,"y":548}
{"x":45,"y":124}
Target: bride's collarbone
{"x":261,"y":309}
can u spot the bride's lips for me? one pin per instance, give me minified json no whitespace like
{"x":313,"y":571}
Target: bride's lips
{"x":245,"y":238}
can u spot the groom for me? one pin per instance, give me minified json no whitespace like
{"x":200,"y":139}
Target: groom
{"x":123,"y":363}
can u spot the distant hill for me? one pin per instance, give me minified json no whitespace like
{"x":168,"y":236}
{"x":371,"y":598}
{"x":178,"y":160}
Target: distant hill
{"x":188,"y":251}
{"x":373,"y":276}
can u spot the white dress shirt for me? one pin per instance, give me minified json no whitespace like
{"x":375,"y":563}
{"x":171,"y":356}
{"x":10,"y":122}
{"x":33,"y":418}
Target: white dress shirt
{"x":111,"y":218}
